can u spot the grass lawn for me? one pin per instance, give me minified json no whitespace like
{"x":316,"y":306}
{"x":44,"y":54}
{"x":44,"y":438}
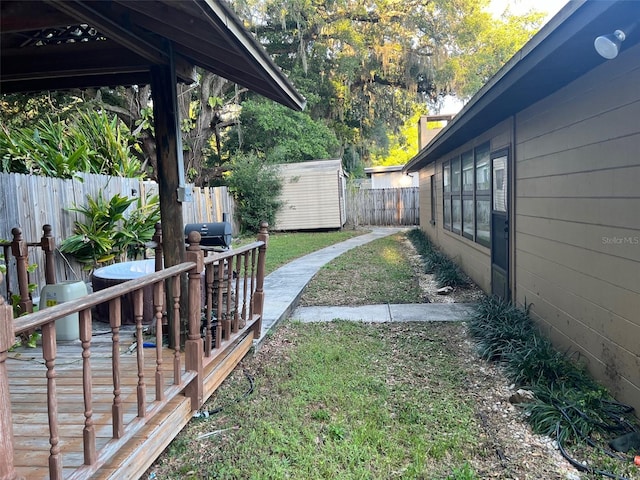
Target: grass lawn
{"x":286,"y":246}
{"x":338,"y":400}
{"x":375,"y":273}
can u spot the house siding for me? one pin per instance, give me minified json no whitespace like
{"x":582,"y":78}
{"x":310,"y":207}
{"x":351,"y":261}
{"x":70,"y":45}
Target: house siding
{"x":312,"y":196}
{"x":574,"y":221}
{"x":577,"y":239}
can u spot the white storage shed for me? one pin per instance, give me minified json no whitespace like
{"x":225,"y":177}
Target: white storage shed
{"x":313,"y":195}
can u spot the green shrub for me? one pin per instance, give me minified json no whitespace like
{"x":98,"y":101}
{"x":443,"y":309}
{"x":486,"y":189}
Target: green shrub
{"x":256,"y":187}
{"x":420,"y":241}
{"x":499,"y":328}
{"x":447,"y":273}
{"x":568,"y":404}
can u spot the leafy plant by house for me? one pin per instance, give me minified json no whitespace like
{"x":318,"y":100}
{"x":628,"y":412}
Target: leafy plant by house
{"x":108,"y":234}
{"x":445,"y":270}
{"x":568,"y":404}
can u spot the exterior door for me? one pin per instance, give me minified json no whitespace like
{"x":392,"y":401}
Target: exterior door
{"x":500,"y":225}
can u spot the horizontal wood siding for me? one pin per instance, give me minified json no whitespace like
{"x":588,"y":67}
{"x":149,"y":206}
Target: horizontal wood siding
{"x":577,"y":255}
{"x":310,"y":195}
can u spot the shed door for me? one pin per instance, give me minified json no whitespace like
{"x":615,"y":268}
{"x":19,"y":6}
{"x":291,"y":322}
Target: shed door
{"x":500,"y":225}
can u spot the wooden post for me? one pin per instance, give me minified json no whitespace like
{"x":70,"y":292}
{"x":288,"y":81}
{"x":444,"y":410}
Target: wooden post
{"x":48,"y":245}
{"x":170,"y":170}
{"x":258,"y":296}
{"x":194,"y":347}
{"x":20,"y":252}
{"x":7,"y":338}
{"x":169,"y":158}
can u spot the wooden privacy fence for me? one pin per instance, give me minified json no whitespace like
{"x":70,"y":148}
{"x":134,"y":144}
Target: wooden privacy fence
{"x":29,"y":202}
{"x":383,"y":206}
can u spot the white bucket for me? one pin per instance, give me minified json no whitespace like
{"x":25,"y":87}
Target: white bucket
{"x":67,"y":328}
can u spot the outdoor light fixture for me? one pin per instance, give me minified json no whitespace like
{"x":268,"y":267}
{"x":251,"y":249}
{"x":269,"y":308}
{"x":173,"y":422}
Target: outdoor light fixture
{"x":608,"y":46}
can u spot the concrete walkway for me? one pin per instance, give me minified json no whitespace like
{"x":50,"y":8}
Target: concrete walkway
{"x":284,"y":287}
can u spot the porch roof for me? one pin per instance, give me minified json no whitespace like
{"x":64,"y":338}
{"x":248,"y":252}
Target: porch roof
{"x":52,"y":45}
{"x":559,"y":53}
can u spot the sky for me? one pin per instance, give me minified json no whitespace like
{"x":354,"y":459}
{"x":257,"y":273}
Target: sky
{"x":550,"y":7}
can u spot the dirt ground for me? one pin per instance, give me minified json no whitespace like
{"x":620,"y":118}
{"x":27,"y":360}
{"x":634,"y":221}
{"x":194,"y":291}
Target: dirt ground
{"x":509,"y":449}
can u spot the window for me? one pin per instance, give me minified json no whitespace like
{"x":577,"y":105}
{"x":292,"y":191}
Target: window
{"x":466,"y":186}
{"x":432,"y":182}
{"x":483,"y":196}
{"x":456,"y":201}
{"x":446,"y":195}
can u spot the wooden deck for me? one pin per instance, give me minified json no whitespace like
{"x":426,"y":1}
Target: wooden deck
{"x":125,"y":458}
{"x":96,"y":408}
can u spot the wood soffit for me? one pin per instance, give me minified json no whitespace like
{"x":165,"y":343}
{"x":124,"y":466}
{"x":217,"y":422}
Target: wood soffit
{"x":49,"y":44}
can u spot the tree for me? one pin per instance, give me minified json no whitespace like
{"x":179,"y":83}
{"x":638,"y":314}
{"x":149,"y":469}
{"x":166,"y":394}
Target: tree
{"x":364,"y":66}
{"x":280,"y":135}
{"x":255,"y":186}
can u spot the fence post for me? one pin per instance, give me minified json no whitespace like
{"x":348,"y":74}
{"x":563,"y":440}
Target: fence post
{"x":7,"y":338}
{"x":258,"y":296}
{"x":20,"y":252}
{"x":48,"y":245}
{"x":194,"y":347}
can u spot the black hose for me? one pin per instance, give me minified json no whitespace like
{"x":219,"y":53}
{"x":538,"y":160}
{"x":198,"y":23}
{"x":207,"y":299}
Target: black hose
{"x":249,"y":391}
{"x":581,"y":466}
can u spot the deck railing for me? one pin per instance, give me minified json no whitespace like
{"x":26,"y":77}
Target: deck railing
{"x":18,"y":248}
{"x":231,"y":297}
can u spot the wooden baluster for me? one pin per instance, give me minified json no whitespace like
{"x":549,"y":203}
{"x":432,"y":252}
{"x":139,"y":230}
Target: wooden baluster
{"x":258,"y":298}
{"x":142,"y":388}
{"x":48,"y":245}
{"x":253,"y":281}
{"x":49,"y":352}
{"x":237,"y":292}
{"x":157,"y":240}
{"x":20,"y":252}
{"x":245,"y":276}
{"x":89,"y":432}
{"x":209,"y":279}
{"x":194,"y":346}
{"x":115,"y":321}
{"x":175,"y":290}
{"x":159,"y":265}
{"x":7,"y":280}
{"x":227,"y":316}
{"x":220,"y":333}
{"x":158,"y":295}
{"x":7,"y":339}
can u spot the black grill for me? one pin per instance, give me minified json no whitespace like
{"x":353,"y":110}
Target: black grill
{"x":216,"y":234}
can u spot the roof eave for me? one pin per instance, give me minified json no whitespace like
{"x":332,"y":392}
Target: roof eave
{"x":286,"y":93}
